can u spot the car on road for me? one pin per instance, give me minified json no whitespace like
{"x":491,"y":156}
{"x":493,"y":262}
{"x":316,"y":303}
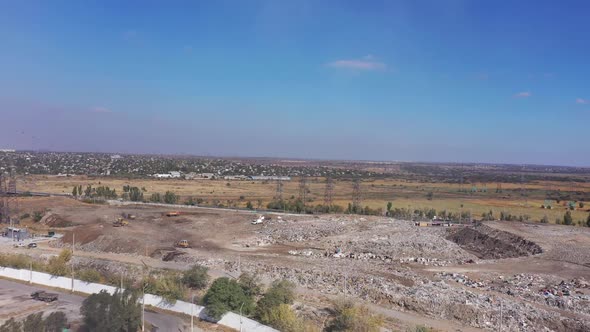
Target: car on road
{"x":32,"y":245}
{"x":19,"y":245}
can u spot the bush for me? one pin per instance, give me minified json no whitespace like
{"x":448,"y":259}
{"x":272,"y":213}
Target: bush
{"x":196,"y":277}
{"x":226,"y":295}
{"x":420,"y":328}
{"x":170,"y":198}
{"x":168,"y":285}
{"x":280,"y":292}
{"x":57,"y":266}
{"x":567,"y":218}
{"x":89,"y":275}
{"x":284,"y":319}
{"x":37,"y":216}
{"x":348,"y":317}
{"x":25,"y":216}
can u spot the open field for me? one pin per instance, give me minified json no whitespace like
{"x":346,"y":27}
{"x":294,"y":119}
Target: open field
{"x":451,"y":278}
{"x":375,"y":193}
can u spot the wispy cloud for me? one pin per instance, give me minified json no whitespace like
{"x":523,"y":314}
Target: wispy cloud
{"x":100,"y":109}
{"x":524,"y":94}
{"x":365,"y":63}
{"x":582,"y":101}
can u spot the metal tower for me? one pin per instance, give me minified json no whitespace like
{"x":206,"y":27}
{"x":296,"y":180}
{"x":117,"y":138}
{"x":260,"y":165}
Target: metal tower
{"x":356,"y":194}
{"x":303,"y":189}
{"x":8,"y":199}
{"x":329,"y":194}
{"x":279,"y":191}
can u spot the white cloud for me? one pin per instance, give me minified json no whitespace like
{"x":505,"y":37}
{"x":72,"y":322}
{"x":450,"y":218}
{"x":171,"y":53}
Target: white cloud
{"x":524,"y":94}
{"x":367,"y":62}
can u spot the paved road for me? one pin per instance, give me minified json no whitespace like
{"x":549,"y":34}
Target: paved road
{"x":161,"y":322}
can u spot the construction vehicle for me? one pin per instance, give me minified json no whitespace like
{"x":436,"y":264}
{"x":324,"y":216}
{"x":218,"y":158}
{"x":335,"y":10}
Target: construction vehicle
{"x":120,"y":222}
{"x":128,"y":216}
{"x":260,"y":220}
{"x":172,"y":214}
{"x":44,"y":296}
{"x":182,"y":244}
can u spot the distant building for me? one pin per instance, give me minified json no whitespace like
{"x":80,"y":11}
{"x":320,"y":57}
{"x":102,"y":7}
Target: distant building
{"x":270,"y":178}
{"x":171,"y":175}
{"x":18,"y":234}
{"x":7,"y":150}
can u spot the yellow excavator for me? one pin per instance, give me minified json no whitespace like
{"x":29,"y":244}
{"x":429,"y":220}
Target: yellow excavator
{"x":120,"y":222}
{"x":182,"y":244}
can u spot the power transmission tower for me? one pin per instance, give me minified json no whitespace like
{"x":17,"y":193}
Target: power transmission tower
{"x":303,"y":189}
{"x":8,"y":198}
{"x":356,"y":195}
{"x":499,"y":187}
{"x":328,"y":195}
{"x":279,"y":191}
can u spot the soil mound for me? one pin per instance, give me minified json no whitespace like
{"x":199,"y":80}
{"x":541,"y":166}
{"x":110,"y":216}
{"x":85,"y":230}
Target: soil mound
{"x":488,"y":243}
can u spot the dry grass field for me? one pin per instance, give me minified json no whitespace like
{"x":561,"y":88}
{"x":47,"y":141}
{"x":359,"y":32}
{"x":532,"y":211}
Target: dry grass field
{"x":375,"y":193}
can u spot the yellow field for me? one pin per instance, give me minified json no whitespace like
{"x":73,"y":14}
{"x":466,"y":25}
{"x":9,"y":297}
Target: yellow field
{"x":375,"y":193}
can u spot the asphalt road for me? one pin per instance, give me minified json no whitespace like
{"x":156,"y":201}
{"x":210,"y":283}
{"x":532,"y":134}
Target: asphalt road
{"x":161,"y":322}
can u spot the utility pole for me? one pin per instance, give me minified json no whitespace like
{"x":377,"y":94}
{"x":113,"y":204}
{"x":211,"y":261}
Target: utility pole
{"x":241,"y":316}
{"x":501,"y":312}
{"x":192,"y":315}
{"x":73,"y":244}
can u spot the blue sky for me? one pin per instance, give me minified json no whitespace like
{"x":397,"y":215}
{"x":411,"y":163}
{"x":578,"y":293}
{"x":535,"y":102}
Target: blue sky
{"x":457,"y":81}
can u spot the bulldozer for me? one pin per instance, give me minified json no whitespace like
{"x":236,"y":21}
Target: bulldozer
{"x":120,"y":222}
{"x":182,"y":244}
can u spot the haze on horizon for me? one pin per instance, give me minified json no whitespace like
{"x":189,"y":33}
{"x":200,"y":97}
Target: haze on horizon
{"x":448,"y":81}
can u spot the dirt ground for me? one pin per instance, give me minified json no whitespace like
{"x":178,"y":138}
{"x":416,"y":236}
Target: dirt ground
{"x":407,"y":273}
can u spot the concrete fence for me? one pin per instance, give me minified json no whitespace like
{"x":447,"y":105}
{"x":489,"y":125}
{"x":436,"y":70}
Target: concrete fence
{"x":230,"y":319}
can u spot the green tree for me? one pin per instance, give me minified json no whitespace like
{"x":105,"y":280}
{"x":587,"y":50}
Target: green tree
{"x":567,"y":218}
{"x":588,"y":221}
{"x":279,"y":292}
{"x":226,"y":295}
{"x":170,"y":198}
{"x":55,"y":322}
{"x":389,"y":206}
{"x":135,"y":194}
{"x":33,"y":322}
{"x":75,"y":191}
{"x":11,"y":325}
{"x":156,"y":198}
{"x":196,"y":277}
{"x":119,"y":312}
{"x":249,"y":205}
{"x":250,"y":284}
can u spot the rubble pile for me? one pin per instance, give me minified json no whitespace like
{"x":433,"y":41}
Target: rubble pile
{"x":433,"y":298}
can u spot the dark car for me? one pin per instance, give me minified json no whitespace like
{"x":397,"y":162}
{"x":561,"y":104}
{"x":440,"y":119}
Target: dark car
{"x":32,"y":245}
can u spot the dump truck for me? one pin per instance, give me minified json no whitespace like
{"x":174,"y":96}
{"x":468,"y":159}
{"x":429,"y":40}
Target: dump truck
{"x":182,"y":244}
{"x":44,"y":296}
{"x":172,"y":214}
